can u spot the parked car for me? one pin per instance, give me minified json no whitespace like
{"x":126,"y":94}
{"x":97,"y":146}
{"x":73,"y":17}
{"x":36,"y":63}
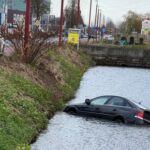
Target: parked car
{"x":114,"y":108}
{"x":2,"y":45}
{"x":109,"y":37}
{"x":82,"y":35}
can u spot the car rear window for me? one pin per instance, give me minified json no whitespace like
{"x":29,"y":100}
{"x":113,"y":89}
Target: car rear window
{"x":139,"y":105}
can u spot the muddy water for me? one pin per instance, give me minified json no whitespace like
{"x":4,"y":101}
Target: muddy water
{"x":67,"y":132}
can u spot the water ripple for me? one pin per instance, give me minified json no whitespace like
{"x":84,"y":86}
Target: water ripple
{"x":68,"y":132}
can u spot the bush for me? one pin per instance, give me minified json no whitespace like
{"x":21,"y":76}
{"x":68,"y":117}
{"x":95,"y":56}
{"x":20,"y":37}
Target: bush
{"x":38,"y":45}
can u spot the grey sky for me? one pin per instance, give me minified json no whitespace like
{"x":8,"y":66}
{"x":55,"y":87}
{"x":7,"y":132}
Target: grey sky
{"x":113,"y":9}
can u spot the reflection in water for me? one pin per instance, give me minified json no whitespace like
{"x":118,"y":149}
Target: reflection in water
{"x":68,"y":132}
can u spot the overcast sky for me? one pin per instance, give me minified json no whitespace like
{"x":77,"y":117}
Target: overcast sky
{"x":113,"y":9}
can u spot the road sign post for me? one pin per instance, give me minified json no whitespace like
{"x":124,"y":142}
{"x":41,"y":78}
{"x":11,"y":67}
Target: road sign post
{"x":73,"y":36}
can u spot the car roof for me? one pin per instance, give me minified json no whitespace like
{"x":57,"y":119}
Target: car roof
{"x":129,"y":101}
{"x":132,"y":102}
{"x":111,"y":96}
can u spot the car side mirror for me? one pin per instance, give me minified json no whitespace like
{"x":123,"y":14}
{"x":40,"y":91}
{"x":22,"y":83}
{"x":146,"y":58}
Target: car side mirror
{"x":87,"y":101}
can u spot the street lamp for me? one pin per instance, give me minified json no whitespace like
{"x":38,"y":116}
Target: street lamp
{"x":26,"y":31}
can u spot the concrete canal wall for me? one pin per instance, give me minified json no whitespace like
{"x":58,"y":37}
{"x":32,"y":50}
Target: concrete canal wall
{"x":118,"y":56}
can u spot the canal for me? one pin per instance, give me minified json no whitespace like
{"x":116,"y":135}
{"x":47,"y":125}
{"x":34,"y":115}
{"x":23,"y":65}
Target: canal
{"x":68,"y":132}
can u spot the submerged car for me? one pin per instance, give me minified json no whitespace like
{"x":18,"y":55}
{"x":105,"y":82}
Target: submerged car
{"x":114,"y":108}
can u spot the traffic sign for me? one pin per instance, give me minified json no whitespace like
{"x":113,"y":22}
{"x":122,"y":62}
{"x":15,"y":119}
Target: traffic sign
{"x":103,"y":29}
{"x":73,"y":38}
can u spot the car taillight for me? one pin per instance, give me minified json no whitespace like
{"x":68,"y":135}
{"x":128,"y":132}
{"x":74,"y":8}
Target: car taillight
{"x":140,"y":115}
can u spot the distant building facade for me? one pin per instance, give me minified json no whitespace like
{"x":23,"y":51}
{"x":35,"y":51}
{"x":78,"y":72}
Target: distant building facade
{"x":13,"y":5}
{"x":146,"y":28}
{"x":10,"y":10}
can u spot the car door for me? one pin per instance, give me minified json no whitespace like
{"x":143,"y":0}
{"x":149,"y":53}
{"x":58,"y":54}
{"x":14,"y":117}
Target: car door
{"x":116,"y":106}
{"x":96,"y":104}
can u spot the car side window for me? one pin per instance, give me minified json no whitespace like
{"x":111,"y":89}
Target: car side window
{"x":118,"y":101}
{"x":99,"y":100}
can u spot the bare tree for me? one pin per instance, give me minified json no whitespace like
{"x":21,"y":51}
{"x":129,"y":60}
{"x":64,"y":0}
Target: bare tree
{"x":132,"y":22}
{"x":39,"y":43}
{"x":71,"y":14}
{"x":40,"y":7}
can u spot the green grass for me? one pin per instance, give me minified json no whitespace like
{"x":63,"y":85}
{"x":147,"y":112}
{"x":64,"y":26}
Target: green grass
{"x":72,"y":72}
{"x":25,"y":106}
{"x":21,"y":104}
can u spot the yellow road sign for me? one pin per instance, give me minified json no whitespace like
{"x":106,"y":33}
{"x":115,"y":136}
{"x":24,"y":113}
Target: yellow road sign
{"x":73,"y":38}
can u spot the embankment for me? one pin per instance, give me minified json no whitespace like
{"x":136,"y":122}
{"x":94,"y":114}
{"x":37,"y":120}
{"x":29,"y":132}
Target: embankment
{"x":30,"y":94}
{"x":111,"y":55}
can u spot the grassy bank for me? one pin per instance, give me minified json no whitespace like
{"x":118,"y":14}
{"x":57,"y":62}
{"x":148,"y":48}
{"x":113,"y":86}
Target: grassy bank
{"x":29,"y":95}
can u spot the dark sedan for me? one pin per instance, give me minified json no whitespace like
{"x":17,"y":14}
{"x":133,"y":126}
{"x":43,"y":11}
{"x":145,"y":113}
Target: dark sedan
{"x":114,"y":108}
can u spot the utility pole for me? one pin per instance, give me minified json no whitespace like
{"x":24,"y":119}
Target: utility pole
{"x":89,"y":27}
{"x":95,"y":25}
{"x":104,"y":20}
{"x":100,"y":23}
{"x":5,"y":11}
{"x":26,"y":34}
{"x":78,"y":14}
{"x":96,"y":14}
{"x":100,"y":19}
{"x":90,"y":13}
{"x":61,"y":23}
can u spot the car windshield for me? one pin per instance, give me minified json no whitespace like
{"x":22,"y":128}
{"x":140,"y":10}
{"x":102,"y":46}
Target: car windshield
{"x":99,"y":100}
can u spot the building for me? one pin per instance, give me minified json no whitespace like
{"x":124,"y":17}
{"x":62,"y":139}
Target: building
{"x":10,"y":10}
{"x":146,"y":28}
{"x":2,"y":11}
{"x":13,"y":5}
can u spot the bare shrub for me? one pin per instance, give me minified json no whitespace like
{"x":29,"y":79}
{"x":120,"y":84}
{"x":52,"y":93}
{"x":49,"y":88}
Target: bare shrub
{"x":38,"y":45}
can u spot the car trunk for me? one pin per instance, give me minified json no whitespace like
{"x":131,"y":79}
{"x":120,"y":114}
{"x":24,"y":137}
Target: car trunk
{"x":147,"y":116}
